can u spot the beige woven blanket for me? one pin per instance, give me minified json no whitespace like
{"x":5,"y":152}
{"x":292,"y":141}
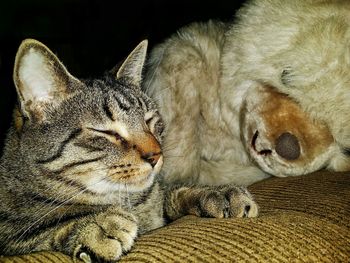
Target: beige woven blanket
{"x":303,"y":219}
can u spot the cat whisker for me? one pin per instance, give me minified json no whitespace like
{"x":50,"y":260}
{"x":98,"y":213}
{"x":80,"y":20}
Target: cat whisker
{"x":52,"y":210}
{"x":175,"y":156}
{"x":127,"y":195}
{"x":169,"y":149}
{"x":157,"y":98}
{"x":57,"y":196}
{"x":155,"y":70}
{"x":170,"y":146}
{"x":162,"y":90}
{"x":119,"y":192}
{"x":171,"y":141}
{"x":66,"y":191}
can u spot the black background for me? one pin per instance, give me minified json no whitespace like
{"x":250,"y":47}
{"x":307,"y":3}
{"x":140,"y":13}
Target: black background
{"x":91,"y":36}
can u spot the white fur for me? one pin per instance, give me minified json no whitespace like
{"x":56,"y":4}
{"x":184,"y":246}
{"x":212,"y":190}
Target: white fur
{"x":36,"y":78}
{"x":120,"y":128}
{"x":99,"y":183}
{"x":201,"y":76}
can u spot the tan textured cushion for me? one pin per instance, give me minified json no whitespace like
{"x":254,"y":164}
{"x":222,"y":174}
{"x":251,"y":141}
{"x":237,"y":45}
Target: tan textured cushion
{"x":303,"y":219}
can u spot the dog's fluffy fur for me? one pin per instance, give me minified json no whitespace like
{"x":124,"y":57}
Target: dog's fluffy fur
{"x":228,"y":92}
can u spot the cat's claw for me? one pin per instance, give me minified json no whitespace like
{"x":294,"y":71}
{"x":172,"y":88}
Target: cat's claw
{"x":85,"y":257}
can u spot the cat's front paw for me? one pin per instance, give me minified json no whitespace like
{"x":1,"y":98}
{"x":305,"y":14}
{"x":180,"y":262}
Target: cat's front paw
{"x":226,"y":201}
{"x":106,"y":238}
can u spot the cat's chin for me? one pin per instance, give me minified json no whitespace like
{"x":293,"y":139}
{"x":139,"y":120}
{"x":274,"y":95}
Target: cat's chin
{"x":142,"y":182}
{"x":106,"y":186}
{"x":139,"y":184}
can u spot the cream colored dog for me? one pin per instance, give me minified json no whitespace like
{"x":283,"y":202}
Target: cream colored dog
{"x":268,"y":95}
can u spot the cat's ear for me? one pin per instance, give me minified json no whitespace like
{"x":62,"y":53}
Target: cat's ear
{"x":131,"y":68}
{"x":40,"y":78}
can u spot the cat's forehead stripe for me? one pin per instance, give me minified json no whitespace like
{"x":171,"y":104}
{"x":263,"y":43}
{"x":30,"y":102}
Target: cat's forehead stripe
{"x":108,"y":111}
{"x":125,"y":97}
{"x":122,"y":101}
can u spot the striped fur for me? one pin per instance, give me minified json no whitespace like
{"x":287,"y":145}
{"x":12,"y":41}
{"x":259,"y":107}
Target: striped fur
{"x":78,"y":173}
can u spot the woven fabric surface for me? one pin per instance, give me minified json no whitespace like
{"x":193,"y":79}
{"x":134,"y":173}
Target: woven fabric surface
{"x":302,"y":219}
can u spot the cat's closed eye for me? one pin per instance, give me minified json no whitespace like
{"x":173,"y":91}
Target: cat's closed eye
{"x":112,"y":133}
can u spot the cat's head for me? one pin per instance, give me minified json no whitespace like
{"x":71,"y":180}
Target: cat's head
{"x":102,"y":135}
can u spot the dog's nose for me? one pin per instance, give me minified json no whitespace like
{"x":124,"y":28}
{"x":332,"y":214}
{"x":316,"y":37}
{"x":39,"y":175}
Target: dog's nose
{"x":257,"y":147}
{"x":287,"y":146}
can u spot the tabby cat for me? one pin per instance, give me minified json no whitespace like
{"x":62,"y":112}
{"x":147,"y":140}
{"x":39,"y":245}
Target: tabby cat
{"x":79,"y":168}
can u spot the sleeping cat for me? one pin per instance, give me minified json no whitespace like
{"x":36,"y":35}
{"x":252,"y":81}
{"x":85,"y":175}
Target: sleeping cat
{"x":79,"y":168}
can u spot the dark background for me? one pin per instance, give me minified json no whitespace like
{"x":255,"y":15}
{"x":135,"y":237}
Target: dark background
{"x":91,"y":36}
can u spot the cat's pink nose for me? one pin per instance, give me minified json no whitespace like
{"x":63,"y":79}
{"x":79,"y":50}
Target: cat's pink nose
{"x":149,"y":148}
